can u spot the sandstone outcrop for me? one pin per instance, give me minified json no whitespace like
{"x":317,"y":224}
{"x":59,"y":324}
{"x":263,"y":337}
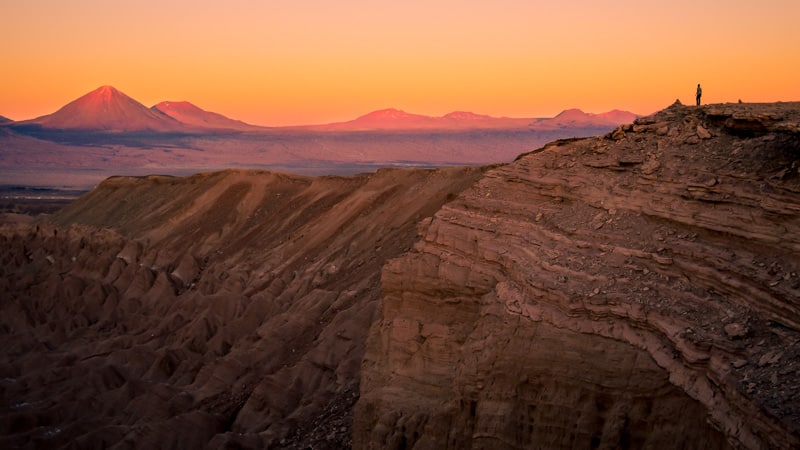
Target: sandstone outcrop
{"x":222,"y":310}
{"x":634,"y":290}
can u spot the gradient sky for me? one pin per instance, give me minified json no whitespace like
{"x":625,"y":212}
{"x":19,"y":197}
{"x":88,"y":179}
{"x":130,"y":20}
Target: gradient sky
{"x":283,"y":62}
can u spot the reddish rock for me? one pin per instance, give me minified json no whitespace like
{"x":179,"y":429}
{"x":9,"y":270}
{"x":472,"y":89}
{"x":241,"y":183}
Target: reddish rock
{"x":529,"y":316}
{"x":225,"y":310}
{"x":735,"y":330}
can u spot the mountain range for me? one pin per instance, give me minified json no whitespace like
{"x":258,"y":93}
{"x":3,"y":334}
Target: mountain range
{"x":106,"y":133}
{"x":107,"y":109}
{"x":110,"y":110}
{"x":395,"y":119}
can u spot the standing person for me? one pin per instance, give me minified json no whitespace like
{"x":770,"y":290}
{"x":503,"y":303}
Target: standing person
{"x":699,"y":93}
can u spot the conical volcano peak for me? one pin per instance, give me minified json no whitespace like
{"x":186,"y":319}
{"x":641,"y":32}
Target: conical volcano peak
{"x":103,"y":95}
{"x":106,"y":90}
{"x":107,"y":109}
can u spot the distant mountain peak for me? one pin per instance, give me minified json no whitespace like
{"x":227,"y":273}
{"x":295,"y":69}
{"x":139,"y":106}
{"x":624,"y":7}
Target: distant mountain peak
{"x":389,"y":113}
{"x":571,"y":112}
{"x":465,"y":115}
{"x":192,"y":115}
{"x":107,"y":109}
{"x":103,"y":93}
{"x":180,"y":105}
{"x":396,"y":119}
{"x":575,"y":117}
{"x":107,"y":89}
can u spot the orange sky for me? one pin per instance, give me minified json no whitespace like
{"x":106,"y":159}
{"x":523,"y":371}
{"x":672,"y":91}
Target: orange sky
{"x":283,"y":62}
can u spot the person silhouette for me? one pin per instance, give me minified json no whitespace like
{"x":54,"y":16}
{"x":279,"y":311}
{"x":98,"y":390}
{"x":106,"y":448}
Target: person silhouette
{"x":699,"y":94}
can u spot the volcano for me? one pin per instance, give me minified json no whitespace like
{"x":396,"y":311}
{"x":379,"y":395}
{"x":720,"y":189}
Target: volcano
{"x":194,"y":116}
{"x":107,"y":109}
{"x":395,"y":119}
{"x":390,"y":118}
{"x":577,"y":118}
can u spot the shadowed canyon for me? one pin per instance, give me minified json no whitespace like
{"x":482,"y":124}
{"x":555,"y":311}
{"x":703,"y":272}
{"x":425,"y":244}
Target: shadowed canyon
{"x":638,"y":289}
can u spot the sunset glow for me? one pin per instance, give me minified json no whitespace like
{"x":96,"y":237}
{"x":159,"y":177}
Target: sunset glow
{"x":298,"y":62}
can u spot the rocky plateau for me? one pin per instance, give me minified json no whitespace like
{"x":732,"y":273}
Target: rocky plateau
{"x":635,"y":290}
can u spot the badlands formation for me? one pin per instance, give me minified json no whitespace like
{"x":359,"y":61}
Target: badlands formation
{"x":638,"y":289}
{"x":227,"y":310}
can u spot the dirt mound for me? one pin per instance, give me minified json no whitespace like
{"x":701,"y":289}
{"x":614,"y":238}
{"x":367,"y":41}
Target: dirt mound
{"x":224,"y":309}
{"x":634,"y":290}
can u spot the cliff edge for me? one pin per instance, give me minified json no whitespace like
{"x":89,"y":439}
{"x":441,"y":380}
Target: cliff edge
{"x":638,"y":289}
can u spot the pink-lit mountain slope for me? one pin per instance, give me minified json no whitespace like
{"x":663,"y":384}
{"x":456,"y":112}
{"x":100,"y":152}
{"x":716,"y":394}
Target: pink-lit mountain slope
{"x":578,"y":118}
{"x":395,"y":119}
{"x":107,"y":109}
{"x":386,"y":119}
{"x":193,"y":116}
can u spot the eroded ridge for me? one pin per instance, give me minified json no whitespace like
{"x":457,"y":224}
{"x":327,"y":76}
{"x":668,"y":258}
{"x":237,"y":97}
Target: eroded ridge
{"x":222,"y":310}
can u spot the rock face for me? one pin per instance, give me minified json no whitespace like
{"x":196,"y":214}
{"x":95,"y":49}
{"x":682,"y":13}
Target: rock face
{"x":227,"y":310}
{"x":639,"y":289}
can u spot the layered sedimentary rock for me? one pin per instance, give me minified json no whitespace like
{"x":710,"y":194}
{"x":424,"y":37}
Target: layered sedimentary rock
{"x":639,"y":289}
{"x":223,"y":310}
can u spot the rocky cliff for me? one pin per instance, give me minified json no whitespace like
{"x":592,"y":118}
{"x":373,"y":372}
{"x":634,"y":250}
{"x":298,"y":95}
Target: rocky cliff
{"x":638,"y":289}
{"x":222,"y":310}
